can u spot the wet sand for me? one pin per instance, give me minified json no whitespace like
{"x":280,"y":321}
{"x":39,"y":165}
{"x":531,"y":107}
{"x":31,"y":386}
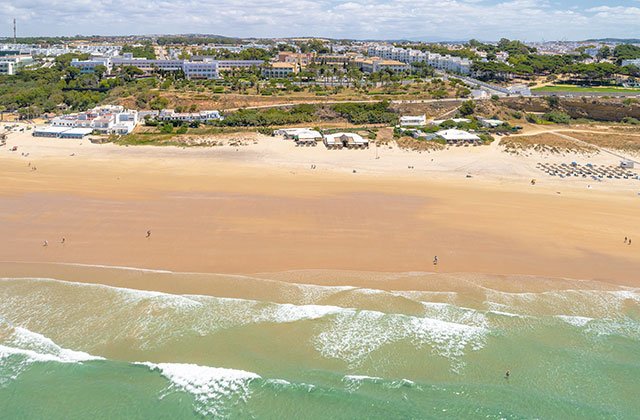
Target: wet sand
{"x":250,"y":215}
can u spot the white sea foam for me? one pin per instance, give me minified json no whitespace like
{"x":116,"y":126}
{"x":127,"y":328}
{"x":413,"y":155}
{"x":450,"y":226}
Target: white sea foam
{"x":214,"y":389}
{"x":354,"y":382}
{"x":308,"y":294}
{"x":282,"y":313}
{"x":455,"y":314}
{"x":584,"y":303}
{"x":354,"y":335}
{"x":31,"y":348}
{"x":40,"y":348}
{"x":576,"y":321}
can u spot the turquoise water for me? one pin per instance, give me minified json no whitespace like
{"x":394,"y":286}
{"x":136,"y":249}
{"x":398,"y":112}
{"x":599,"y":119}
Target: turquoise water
{"x":71,"y":350}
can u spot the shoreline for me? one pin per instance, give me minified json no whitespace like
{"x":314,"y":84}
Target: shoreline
{"x":271,"y":286}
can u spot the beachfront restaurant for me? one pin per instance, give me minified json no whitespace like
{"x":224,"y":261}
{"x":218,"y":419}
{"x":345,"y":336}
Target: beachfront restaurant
{"x":290,"y":133}
{"x":307,"y":138}
{"x":49,"y":131}
{"x":458,"y":137}
{"x":348,"y":140}
{"x":76,"y":133}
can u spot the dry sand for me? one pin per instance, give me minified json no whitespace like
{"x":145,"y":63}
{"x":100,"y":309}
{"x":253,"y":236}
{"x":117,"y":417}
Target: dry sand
{"x":261,"y":208}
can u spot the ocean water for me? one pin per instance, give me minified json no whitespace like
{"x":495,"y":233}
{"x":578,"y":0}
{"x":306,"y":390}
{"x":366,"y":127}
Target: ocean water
{"x":76,"y":350}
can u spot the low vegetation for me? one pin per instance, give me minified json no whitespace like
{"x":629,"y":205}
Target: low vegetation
{"x":544,"y":143}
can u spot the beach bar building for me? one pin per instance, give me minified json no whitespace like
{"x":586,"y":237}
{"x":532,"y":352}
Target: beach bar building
{"x":290,"y":133}
{"x":307,"y":138}
{"x":76,"y":133}
{"x":348,"y":140}
{"x":458,"y":137}
{"x":49,"y":131}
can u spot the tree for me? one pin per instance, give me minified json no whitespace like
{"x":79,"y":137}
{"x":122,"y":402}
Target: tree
{"x":159,"y":103}
{"x":604,"y":53}
{"x":553,"y":101}
{"x":71,"y":73}
{"x":626,"y":52}
{"x":467,"y":108}
{"x":100,"y":71}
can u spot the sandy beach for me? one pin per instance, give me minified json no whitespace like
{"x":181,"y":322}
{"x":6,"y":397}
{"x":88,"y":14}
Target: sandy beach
{"x":261,"y":208}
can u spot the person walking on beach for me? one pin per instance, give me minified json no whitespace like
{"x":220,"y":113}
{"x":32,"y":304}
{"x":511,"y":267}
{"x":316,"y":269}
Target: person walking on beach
{"x":625,"y":239}
{"x":435,"y":260}
{"x":62,"y":241}
{"x":629,"y":243}
{"x":148,"y":234}
{"x":45,"y":243}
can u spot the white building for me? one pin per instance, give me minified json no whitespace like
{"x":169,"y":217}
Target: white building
{"x":375,"y":64}
{"x":7,"y":67}
{"x":409,"y":56}
{"x":290,"y":133}
{"x":279,"y":70}
{"x":307,"y":137}
{"x":455,"y":120}
{"x":107,"y":119}
{"x":490,"y":123}
{"x":202,"y":116}
{"x":200,"y":69}
{"x":88,"y":66}
{"x":479,"y":94}
{"x":11,"y":63}
{"x":519,"y":90}
{"x":634,"y":62}
{"x":348,"y":140}
{"x":458,"y":136}
{"x":413,"y":121}
{"x":227,"y":65}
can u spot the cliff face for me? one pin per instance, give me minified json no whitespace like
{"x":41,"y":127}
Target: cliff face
{"x":595,"y":109}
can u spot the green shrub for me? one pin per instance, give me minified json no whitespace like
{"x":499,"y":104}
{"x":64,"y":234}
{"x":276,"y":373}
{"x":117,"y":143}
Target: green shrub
{"x":366,"y":113}
{"x":631,"y":120}
{"x":557,"y":117}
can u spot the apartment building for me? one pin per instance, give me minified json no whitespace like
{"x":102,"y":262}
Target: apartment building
{"x":634,"y":62}
{"x":410,"y":56}
{"x":200,"y":69}
{"x":279,"y":70}
{"x":88,"y":66}
{"x":229,"y":65}
{"x":336,"y":60}
{"x":9,"y":64}
{"x":375,"y":64}
{"x":202,"y":116}
{"x":301,"y":59}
